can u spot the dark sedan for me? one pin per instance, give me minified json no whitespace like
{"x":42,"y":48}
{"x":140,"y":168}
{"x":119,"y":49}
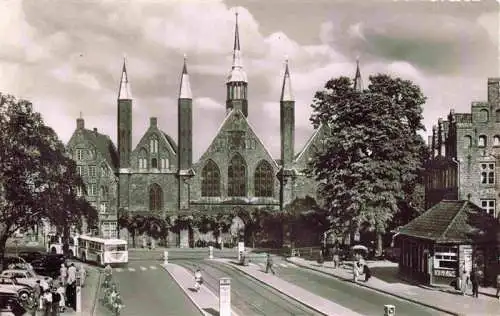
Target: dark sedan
{"x":49,"y":265}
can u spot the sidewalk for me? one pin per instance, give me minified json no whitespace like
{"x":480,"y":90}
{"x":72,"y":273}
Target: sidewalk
{"x":311,"y":300}
{"x":389,"y":283}
{"x":205,"y":300}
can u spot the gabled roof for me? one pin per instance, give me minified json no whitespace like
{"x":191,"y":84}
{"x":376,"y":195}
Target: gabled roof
{"x":170,"y":141}
{"x":250,"y":127}
{"x":309,"y":143}
{"x":104,"y":145}
{"x":452,"y":222}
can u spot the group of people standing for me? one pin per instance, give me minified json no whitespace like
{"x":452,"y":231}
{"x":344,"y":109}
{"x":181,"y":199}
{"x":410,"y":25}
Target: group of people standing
{"x":53,"y":298}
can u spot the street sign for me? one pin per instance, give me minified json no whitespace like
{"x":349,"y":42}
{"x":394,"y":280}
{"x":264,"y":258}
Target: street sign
{"x":225,"y":297}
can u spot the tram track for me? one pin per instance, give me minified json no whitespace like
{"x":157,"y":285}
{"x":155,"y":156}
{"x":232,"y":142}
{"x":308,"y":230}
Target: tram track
{"x":248,"y":296}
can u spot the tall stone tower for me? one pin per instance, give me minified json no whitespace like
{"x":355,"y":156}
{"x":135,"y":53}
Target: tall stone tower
{"x":124,"y":138}
{"x":237,"y":84}
{"x":185,"y":137}
{"x":358,"y":82}
{"x":287,"y":127}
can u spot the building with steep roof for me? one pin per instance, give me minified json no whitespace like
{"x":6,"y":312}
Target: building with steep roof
{"x":465,"y":155}
{"x":158,"y":176}
{"x":447,"y":239}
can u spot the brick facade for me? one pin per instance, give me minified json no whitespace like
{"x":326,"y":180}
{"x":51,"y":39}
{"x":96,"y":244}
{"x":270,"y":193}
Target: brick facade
{"x":470,"y":143}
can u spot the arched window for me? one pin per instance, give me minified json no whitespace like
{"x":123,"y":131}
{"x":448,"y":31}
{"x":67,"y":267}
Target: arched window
{"x":496,"y":140}
{"x":153,"y":145}
{"x":467,"y":141}
{"x":143,"y":161}
{"x":264,"y":180}
{"x":165,"y":163}
{"x":237,"y":177}
{"x":154,"y":163}
{"x":482,"y":141}
{"x":483,"y":116}
{"x":210,"y":180}
{"x":155,"y":197}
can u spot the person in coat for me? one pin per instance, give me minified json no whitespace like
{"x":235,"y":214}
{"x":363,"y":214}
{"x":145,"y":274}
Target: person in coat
{"x":269,"y":264}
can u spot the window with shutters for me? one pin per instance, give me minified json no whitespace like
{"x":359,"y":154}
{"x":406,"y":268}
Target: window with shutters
{"x":210,"y":179}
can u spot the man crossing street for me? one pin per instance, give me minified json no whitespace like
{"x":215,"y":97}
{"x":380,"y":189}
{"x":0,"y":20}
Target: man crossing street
{"x":269,"y":264}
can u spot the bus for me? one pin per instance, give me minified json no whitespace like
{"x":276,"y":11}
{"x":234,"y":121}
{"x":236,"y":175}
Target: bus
{"x":102,"y":251}
{"x":55,"y":245}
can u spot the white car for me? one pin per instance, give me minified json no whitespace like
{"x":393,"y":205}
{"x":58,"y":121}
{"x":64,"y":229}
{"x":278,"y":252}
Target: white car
{"x":26,"y":277}
{"x":23,"y":291}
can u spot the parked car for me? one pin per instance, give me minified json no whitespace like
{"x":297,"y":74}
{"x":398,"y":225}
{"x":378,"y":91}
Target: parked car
{"x":22,"y":290}
{"x":49,"y":265}
{"x":31,"y":256}
{"x":10,"y":304}
{"x":25,"y":277}
{"x":16,"y":262}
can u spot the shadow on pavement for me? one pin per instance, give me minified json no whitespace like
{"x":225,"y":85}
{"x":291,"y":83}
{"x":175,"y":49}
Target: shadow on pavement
{"x":211,"y":311}
{"x":192,"y":289}
{"x":387,"y":274}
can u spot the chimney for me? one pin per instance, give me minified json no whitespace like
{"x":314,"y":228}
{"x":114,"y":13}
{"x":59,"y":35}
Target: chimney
{"x":80,"y":123}
{"x":153,"y":121}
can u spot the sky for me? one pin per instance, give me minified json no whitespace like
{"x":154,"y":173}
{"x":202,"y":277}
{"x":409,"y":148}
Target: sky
{"x":66,"y":57}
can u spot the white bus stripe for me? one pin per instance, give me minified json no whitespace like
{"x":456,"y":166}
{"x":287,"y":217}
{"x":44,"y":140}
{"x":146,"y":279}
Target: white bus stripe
{"x":131,"y":269}
{"x":143,"y":269}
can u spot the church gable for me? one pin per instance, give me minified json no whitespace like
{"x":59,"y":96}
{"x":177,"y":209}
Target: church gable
{"x":236,"y":154}
{"x":312,"y":146}
{"x":156,"y":150}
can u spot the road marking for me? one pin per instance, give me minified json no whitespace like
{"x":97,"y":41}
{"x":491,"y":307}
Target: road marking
{"x":131,"y":269}
{"x":118,"y":269}
{"x":143,"y":269}
{"x":283,"y":265}
{"x":152,"y":267}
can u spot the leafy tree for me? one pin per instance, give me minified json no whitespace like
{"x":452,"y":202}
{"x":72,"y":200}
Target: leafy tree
{"x":373,"y":155}
{"x":37,"y":177}
{"x":255,"y":225}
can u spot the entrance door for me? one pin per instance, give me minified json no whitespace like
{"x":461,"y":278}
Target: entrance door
{"x":184,"y":238}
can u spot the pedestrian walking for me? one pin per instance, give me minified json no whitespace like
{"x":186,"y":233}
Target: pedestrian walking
{"x":367,"y":272}
{"x":474,"y":280}
{"x":47,"y":303}
{"x":269,"y":264}
{"x":62,"y":293}
{"x":56,"y":298}
{"x":63,"y":273}
{"x":37,"y":293}
{"x":464,"y":281}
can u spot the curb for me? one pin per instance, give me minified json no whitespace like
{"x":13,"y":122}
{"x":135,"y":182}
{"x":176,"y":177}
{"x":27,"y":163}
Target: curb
{"x":96,"y":293}
{"x":276,"y":289}
{"x":185,"y":292}
{"x":377,"y":289}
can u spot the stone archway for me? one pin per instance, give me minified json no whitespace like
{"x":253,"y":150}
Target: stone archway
{"x":241,"y":218}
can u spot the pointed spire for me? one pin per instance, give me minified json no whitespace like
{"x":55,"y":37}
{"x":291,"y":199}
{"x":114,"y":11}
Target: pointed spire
{"x":124,"y":93}
{"x":286,"y":91}
{"x":237,"y":73}
{"x":236,"y":35}
{"x":185,"y":88}
{"x":358,"y":83}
